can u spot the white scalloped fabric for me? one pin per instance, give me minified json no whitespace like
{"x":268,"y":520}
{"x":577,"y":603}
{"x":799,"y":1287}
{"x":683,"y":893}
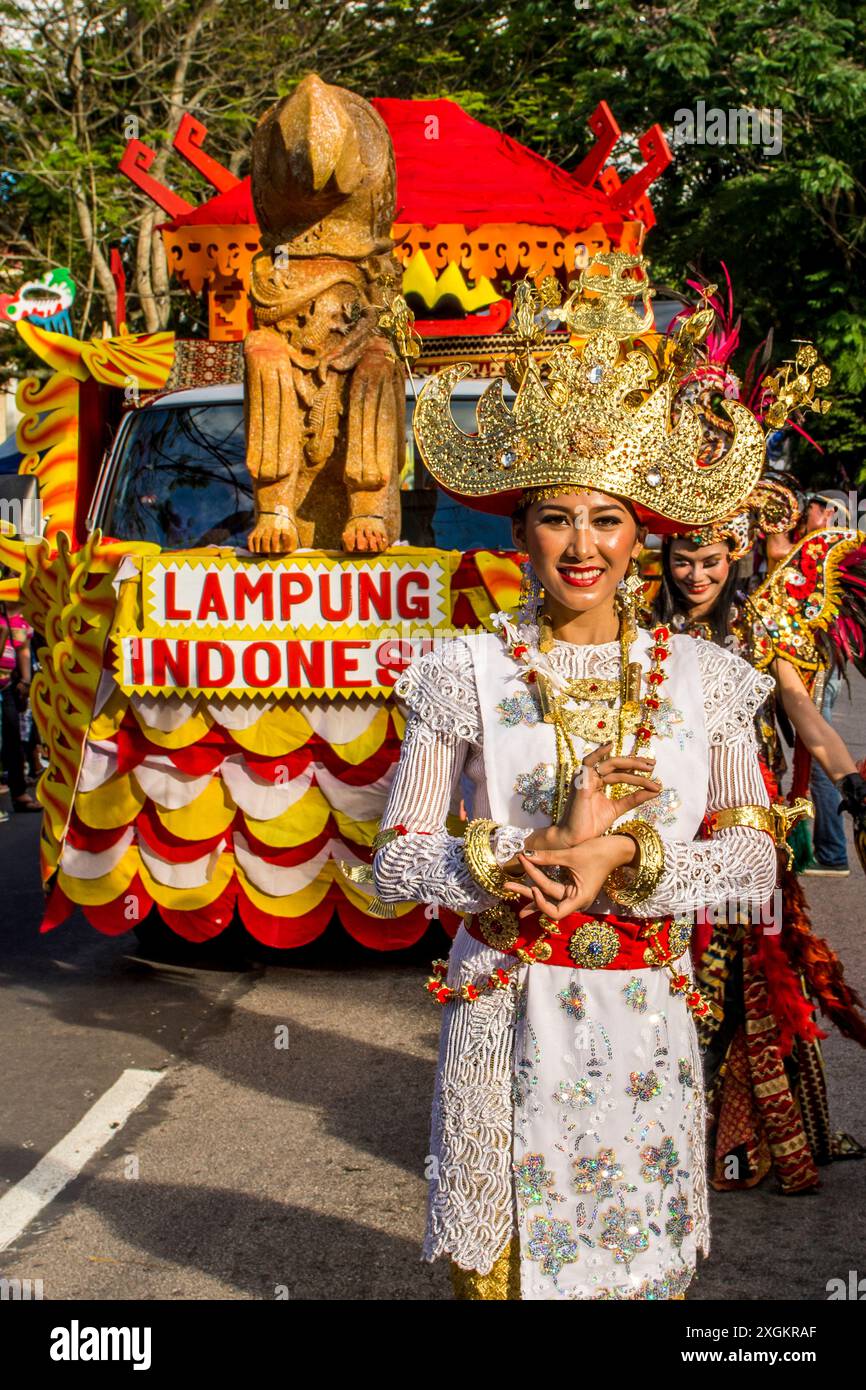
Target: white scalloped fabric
{"x":733,"y":692}
{"x":469,"y":1214}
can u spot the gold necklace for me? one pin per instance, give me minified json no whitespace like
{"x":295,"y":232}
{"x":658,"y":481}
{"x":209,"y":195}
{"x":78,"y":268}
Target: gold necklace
{"x":596,"y":724}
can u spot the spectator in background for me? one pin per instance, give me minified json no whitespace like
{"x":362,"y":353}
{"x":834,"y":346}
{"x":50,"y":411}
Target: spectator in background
{"x":830,"y":848}
{"x":15,"y":636}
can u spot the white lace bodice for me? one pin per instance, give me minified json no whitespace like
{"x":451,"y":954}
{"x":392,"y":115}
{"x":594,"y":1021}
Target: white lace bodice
{"x":442,"y":762}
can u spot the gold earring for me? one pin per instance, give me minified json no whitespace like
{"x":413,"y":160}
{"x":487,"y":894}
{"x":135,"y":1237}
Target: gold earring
{"x":628,"y":592}
{"x":531,"y":595}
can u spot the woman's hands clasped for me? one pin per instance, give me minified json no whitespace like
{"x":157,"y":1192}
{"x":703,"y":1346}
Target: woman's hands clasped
{"x":590,"y":812}
{"x":578,"y":844}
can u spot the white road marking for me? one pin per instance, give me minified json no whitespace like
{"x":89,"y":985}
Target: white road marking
{"x":65,"y":1161}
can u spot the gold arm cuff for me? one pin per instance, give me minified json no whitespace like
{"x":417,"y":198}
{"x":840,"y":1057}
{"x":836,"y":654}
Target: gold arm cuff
{"x":481,"y":862}
{"x":384,"y":837}
{"x":629,"y":887}
{"x":777,"y":820}
{"x":757,"y":817}
{"x":363,"y":874}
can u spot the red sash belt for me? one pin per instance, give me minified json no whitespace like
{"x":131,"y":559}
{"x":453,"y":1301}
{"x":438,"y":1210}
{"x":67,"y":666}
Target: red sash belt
{"x":585,"y":941}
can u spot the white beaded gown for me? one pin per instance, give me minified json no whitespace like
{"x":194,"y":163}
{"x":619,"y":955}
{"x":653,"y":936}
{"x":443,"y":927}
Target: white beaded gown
{"x":569,"y":1109}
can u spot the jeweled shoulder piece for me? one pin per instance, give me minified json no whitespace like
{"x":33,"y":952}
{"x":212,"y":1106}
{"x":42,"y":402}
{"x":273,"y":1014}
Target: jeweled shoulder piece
{"x":604,"y":411}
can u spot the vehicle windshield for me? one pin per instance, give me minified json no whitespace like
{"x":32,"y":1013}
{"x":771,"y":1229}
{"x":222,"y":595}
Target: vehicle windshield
{"x":181,"y":482}
{"x":181,"y":478}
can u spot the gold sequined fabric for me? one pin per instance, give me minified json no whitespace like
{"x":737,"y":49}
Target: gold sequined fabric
{"x":502,"y":1282}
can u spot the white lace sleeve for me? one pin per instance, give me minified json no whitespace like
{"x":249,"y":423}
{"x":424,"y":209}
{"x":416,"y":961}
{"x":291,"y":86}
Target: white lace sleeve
{"x":733,"y":691}
{"x":427,"y":864}
{"x":440,"y":688}
{"x":739,"y":862}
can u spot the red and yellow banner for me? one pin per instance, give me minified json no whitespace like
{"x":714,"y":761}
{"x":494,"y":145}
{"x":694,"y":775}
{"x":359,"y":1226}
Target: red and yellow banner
{"x":309,"y":625}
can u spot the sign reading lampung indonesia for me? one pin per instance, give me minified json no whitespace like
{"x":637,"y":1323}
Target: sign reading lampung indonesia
{"x":321,"y":623}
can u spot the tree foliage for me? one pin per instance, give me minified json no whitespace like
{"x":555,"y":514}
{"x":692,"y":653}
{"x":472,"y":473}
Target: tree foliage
{"x":791,"y":226}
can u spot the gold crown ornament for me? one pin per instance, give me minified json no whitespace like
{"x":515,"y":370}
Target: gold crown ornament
{"x":598,"y":413}
{"x":604,"y":411}
{"x":770,"y":510}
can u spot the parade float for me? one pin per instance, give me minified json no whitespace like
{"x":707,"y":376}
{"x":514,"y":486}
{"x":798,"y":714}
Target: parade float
{"x":239,"y":554}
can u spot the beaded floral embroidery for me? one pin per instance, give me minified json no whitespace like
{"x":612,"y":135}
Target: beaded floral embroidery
{"x":635,"y":995}
{"x":574,"y":1095}
{"x":659,"y":1162}
{"x":601,"y":1175}
{"x":536,"y":789}
{"x":623,"y":1233}
{"x":644,"y":1085}
{"x":675,"y":1281}
{"x":518,"y":709}
{"x":686,"y":1075}
{"x":681,"y":1222}
{"x":573,"y":1000}
{"x":532,"y":1181}
{"x":551,"y":1243}
{"x":662,"y":810}
{"x":666,"y":719}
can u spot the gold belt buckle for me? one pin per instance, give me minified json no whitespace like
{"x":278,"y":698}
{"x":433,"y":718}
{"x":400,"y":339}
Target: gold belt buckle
{"x":594,"y":945}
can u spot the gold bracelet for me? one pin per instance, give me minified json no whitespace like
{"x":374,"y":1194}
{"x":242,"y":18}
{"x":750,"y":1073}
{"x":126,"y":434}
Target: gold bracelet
{"x":481,"y":861}
{"x":384,"y":837}
{"x":756,"y":817}
{"x":629,"y":886}
{"x":777,"y":820}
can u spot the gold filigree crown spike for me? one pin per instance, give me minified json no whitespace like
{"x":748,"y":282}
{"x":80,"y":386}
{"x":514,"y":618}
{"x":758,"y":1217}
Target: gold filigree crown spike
{"x":771,"y":509}
{"x":794,"y":387}
{"x":603,"y":412}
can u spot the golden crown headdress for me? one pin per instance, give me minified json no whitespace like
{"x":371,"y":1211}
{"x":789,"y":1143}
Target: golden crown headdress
{"x":770,"y":510}
{"x":602,"y":411}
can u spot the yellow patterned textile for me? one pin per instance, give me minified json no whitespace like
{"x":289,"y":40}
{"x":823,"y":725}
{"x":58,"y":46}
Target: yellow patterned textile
{"x":503,"y":1281}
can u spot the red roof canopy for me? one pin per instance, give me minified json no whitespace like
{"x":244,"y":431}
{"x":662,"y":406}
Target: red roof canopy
{"x":231,"y":209}
{"x":451,"y":168}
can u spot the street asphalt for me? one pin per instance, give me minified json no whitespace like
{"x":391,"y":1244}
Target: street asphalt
{"x":281,"y":1155}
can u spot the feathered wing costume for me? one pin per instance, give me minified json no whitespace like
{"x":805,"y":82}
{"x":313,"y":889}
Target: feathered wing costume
{"x":811,"y":611}
{"x":765,"y":1076}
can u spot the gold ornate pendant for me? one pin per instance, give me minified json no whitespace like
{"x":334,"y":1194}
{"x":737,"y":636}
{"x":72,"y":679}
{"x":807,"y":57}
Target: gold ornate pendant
{"x":594,"y":945}
{"x":499,"y":927}
{"x":598,"y":723}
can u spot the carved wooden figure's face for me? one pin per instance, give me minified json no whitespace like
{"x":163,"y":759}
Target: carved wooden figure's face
{"x":321,"y":325}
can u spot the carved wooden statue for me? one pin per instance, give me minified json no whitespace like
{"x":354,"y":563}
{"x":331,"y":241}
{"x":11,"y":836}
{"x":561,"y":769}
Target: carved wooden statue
{"x":325,"y":407}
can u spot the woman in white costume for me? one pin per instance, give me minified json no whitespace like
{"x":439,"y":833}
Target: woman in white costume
{"x":568,"y":1114}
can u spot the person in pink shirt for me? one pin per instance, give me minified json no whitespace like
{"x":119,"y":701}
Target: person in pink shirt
{"x":15,"y":636}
